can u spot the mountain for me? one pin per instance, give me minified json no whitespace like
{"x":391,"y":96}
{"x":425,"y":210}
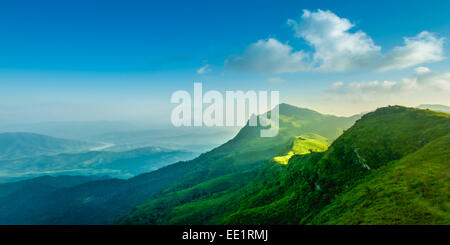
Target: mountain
{"x":77,"y":130}
{"x":123,"y":136}
{"x":441,"y":108}
{"x":217,"y":172}
{"x":391,"y":167}
{"x":114,"y":164}
{"x":209,"y":189}
{"x":19,"y":145}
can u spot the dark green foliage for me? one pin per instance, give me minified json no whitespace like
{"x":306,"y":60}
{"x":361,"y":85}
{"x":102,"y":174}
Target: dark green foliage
{"x":412,"y":190}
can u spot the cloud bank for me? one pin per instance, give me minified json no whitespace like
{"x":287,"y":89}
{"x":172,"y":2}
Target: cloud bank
{"x":335,"y":49}
{"x":423,"y":80}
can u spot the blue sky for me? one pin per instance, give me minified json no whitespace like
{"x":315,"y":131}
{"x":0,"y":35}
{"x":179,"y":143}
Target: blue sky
{"x":119,"y":60}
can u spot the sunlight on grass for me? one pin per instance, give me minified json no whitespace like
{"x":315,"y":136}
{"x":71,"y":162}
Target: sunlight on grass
{"x":304,"y":144}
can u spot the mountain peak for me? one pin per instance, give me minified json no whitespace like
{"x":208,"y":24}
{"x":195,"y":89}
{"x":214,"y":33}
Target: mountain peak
{"x":287,"y":110}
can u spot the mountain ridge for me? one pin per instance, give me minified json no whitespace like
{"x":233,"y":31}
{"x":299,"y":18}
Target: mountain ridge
{"x":299,"y":191}
{"x":246,"y":153}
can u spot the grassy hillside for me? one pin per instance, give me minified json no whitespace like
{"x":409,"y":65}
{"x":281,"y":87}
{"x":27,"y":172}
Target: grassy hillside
{"x":390,"y":167}
{"x":323,"y":187}
{"x":412,"y":190}
{"x":235,"y":164}
{"x":304,"y":144}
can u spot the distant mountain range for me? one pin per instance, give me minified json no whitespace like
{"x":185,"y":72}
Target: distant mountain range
{"x":123,"y":136}
{"x":435,"y":107}
{"x":388,"y":167}
{"x":20,"y":145}
{"x":124,"y":164}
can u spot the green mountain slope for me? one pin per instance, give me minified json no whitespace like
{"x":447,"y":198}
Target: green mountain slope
{"x":352,"y":177}
{"x":248,"y":150}
{"x":195,"y":199}
{"x":304,"y":144}
{"x":311,"y":184}
{"x":412,"y":190}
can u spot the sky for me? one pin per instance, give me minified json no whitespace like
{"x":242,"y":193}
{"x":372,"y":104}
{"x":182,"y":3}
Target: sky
{"x":122,"y":60}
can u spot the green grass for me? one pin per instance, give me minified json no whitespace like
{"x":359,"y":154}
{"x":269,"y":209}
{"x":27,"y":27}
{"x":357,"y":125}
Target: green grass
{"x":412,"y":190}
{"x":304,"y":144}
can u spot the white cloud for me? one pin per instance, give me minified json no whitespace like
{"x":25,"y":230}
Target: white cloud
{"x":422,"y":87}
{"x":204,"y":69}
{"x":335,"y":49}
{"x":268,"y":56}
{"x":423,"y":48}
{"x":276,"y":80}
{"x":436,"y":81}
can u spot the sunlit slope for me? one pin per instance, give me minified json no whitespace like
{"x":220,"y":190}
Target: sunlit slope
{"x":246,"y":154}
{"x":390,"y":167}
{"x":248,"y":150}
{"x":304,"y":144}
